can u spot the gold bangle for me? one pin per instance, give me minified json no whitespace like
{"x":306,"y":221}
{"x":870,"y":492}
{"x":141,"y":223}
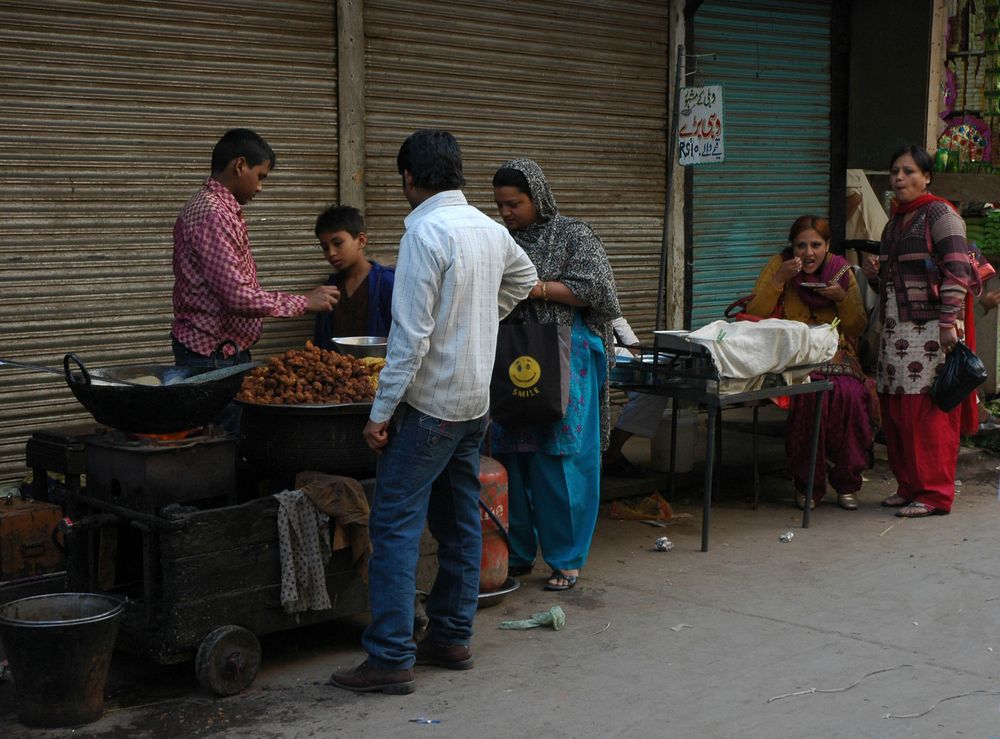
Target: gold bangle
{"x":545,"y":294}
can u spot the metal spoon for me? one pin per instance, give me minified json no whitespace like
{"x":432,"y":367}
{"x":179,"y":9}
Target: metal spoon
{"x":217,"y":374}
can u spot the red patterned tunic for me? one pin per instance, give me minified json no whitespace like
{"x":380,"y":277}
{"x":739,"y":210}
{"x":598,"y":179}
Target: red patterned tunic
{"x":216,"y":292}
{"x":918,"y":297}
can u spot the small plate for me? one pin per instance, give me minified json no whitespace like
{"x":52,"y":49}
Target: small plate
{"x":495,"y":596}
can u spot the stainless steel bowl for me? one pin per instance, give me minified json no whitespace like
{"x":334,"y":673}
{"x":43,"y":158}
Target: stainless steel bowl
{"x":361,"y":346}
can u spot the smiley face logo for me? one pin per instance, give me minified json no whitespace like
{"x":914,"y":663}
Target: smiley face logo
{"x":524,"y":371}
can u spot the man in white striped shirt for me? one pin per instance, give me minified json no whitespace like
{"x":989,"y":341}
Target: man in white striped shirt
{"x":458,"y":273}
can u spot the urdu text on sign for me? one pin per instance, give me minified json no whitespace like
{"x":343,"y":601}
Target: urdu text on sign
{"x":700,"y":133}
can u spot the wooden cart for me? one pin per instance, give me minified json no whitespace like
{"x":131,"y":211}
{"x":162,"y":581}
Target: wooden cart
{"x":200,"y":583}
{"x":208,"y":583}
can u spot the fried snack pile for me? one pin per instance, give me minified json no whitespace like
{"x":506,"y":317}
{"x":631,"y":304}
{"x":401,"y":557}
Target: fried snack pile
{"x":376,"y":363}
{"x":312,"y":375}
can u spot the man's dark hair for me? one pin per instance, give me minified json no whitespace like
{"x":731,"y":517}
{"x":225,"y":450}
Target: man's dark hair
{"x":920,"y":155}
{"x":434,"y":159}
{"x":341,"y":218}
{"x":241,"y":142}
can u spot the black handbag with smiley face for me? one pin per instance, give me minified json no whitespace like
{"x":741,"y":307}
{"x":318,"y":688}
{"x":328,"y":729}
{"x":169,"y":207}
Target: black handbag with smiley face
{"x":530,"y":382}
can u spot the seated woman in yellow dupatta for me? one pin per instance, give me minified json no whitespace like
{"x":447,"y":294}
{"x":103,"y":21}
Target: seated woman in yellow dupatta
{"x":816,"y":286}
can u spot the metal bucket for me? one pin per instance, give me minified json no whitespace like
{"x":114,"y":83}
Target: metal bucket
{"x":59,"y":648}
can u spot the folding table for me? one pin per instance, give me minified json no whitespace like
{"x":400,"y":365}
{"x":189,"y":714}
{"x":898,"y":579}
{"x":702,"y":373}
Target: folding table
{"x":684,"y":371}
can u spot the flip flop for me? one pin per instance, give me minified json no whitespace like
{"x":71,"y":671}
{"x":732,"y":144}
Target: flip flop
{"x":919,"y":510}
{"x":519,"y":570}
{"x":560,"y":575}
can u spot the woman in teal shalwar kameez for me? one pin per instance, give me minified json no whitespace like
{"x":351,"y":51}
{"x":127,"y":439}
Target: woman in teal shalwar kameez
{"x":554,"y":470}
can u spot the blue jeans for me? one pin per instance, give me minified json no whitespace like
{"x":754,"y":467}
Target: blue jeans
{"x":184,"y":357}
{"x":229,"y":418}
{"x":428,"y":470}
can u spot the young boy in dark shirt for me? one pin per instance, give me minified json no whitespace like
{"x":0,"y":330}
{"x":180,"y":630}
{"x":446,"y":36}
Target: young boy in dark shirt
{"x":364,"y":303}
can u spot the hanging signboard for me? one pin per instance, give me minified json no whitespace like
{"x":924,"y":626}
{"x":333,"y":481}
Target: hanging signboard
{"x":701,"y":132}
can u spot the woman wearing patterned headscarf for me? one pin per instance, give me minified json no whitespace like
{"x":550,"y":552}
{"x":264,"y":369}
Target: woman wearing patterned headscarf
{"x":554,"y":469}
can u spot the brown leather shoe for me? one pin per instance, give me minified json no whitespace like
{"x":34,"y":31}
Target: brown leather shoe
{"x":366,"y":679}
{"x":450,"y":656}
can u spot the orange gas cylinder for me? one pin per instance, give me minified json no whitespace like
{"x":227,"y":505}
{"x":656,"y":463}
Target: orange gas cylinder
{"x":493,"y":479}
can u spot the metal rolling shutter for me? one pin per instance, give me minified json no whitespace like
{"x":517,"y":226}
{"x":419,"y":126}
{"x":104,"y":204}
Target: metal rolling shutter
{"x":773,"y":60}
{"x":110,"y":112}
{"x":579,"y":86}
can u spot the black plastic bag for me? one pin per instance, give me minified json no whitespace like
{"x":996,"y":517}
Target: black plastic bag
{"x":963,"y":372}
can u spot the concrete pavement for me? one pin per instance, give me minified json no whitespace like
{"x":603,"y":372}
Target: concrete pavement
{"x":881,"y":616}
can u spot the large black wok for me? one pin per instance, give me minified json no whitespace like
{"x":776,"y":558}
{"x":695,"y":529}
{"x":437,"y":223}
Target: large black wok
{"x":160,"y":408}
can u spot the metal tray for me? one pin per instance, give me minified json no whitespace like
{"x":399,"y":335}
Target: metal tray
{"x":494,"y":597}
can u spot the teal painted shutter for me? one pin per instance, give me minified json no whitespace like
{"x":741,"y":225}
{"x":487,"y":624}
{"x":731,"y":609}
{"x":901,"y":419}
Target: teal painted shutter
{"x":773,"y":61}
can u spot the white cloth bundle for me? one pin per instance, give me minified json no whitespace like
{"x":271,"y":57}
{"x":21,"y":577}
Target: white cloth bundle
{"x":745,"y":351}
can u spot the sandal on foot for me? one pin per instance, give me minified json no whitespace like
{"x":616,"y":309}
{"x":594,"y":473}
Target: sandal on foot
{"x":919,"y":510}
{"x":895,"y":501}
{"x":553,"y":583}
{"x":519,"y":570}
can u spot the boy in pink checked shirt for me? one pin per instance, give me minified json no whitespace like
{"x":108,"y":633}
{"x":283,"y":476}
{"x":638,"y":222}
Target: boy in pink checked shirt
{"x":218,"y":302}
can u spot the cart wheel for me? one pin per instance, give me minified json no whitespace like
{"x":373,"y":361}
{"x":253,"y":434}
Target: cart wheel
{"x":227,"y":660}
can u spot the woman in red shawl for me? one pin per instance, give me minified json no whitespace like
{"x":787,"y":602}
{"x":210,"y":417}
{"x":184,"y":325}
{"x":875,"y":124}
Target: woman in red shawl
{"x":924,"y":275}
{"x":816,"y":286}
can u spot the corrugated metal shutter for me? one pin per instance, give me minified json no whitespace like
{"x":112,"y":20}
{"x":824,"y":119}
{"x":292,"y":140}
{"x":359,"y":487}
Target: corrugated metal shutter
{"x":773,"y":60}
{"x":110,"y":112}
{"x":579,"y":86}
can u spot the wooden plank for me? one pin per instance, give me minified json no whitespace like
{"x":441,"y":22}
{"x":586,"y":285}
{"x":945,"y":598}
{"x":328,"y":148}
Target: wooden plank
{"x":216,"y":528}
{"x":219,"y":528}
{"x":185,"y":624}
{"x":236,"y":569}
{"x":181,"y":626}
{"x":351,"y":101}
{"x":936,"y":66}
{"x":242,"y":567}
{"x":966,"y":188}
